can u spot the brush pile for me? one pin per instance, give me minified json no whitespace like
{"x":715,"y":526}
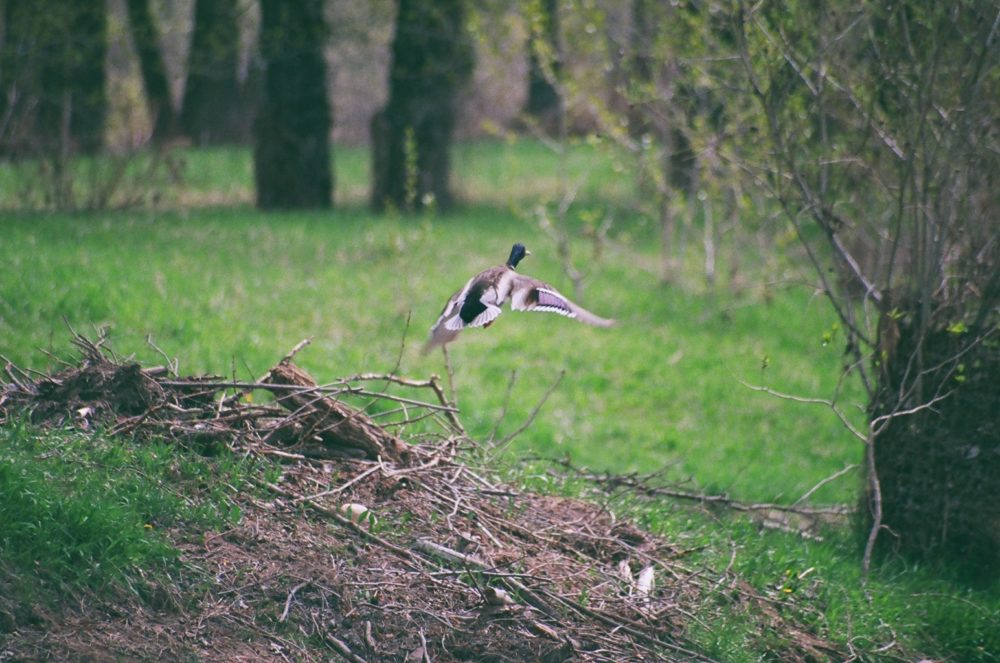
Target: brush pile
{"x":305,"y":418}
{"x":371,"y":546}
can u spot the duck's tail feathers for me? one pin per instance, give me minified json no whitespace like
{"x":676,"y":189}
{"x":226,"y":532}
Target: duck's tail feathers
{"x":439,"y":337}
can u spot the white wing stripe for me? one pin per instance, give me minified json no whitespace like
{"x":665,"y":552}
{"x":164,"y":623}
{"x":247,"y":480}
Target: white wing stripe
{"x":484,"y":318}
{"x":553,"y":309}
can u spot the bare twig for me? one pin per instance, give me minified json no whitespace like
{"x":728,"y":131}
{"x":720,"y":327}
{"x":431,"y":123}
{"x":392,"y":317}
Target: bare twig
{"x":343,"y":649}
{"x":291,"y":596}
{"x":641,"y":484}
{"x":503,"y":410}
{"x":814,"y":401}
{"x":531,"y":417}
{"x":833,"y":477}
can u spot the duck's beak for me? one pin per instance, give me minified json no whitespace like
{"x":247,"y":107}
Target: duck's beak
{"x":527,"y":252}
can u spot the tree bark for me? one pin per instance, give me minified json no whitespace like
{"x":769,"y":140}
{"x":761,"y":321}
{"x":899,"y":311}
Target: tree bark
{"x":938,"y":469}
{"x":154,"y":70}
{"x":411,"y":137}
{"x":292,"y":138}
{"x":214,"y":111}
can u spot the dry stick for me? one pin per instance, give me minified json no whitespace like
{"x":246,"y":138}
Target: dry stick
{"x":813,"y":401}
{"x":638,"y":483}
{"x":294,"y":351}
{"x":833,"y":477}
{"x":338,"y":489}
{"x":451,"y":409}
{"x":407,"y":420}
{"x":876,"y":505}
{"x":172,"y":364}
{"x":251,"y":386}
{"x":398,"y":399}
{"x":292,"y":415}
{"x":288,"y":601}
{"x":369,"y":640}
{"x":343,"y":649}
{"x":324,"y":390}
{"x":531,"y":417}
{"x":9,"y":367}
{"x":283,"y":454}
{"x":436,"y":549}
{"x":375,"y":397}
{"x":423,"y":643}
{"x":451,"y":376}
{"x":503,"y":410}
{"x":402,"y":346}
{"x":341,"y":520}
{"x":633,"y":629}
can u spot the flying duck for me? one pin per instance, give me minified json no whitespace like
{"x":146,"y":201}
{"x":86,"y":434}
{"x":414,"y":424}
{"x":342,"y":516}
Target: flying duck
{"x":478,"y":303}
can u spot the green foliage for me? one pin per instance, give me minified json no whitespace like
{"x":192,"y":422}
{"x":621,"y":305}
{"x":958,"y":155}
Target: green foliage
{"x":82,"y":510}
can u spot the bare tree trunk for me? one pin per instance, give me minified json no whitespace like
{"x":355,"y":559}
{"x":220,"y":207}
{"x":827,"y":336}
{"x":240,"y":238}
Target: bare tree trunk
{"x":154,"y":70}
{"x":668,"y":219}
{"x":432,"y":60}
{"x":708,"y":242}
{"x":214,"y":110}
{"x":897,"y":212}
{"x":292,"y":146}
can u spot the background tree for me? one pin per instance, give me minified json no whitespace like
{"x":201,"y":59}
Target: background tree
{"x":543,"y":100}
{"x":214,"y":110}
{"x":153,"y":68}
{"x":53,"y":76}
{"x":676,"y":123}
{"x":432,"y":61}
{"x":883,"y":135}
{"x":292,"y":136}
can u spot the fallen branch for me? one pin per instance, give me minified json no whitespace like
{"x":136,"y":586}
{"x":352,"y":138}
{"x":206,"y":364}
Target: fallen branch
{"x":641,"y":485}
{"x":333,"y":421}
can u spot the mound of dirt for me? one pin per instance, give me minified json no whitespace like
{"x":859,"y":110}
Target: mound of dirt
{"x":419,"y":558}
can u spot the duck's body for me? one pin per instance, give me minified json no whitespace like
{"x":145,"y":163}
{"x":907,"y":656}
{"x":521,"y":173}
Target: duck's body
{"x":479,"y":302}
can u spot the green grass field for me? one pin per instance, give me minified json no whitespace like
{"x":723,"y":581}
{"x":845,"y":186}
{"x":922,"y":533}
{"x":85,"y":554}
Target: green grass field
{"x":229,"y":290}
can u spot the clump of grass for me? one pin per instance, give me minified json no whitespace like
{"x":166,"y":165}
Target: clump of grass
{"x":81,"y":510}
{"x":898,"y":613}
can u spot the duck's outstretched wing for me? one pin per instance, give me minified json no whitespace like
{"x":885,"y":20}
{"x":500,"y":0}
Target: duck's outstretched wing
{"x":477,"y":304}
{"x":528,"y":294}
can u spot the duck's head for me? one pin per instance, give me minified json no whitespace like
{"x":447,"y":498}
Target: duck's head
{"x":517,"y":253}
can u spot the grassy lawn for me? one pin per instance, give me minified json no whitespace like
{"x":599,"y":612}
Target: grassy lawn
{"x":232,"y":289}
{"x":229,"y":290}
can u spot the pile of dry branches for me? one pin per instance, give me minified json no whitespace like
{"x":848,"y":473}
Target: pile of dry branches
{"x":380,"y":549}
{"x":304,"y":419}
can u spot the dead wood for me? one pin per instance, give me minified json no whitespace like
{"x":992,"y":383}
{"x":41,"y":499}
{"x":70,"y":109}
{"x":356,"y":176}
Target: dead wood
{"x":797,"y":518}
{"x":331,"y":421}
{"x":309,"y":420}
